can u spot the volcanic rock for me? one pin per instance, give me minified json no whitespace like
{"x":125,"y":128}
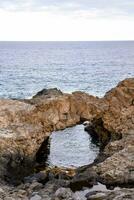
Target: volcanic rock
{"x":25,"y":125}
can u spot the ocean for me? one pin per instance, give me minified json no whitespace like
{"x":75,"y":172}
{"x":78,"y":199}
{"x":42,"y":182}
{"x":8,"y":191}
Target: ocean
{"x":93,"y":67}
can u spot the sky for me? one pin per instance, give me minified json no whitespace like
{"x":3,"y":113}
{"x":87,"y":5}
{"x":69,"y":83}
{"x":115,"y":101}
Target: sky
{"x":66,"y":20}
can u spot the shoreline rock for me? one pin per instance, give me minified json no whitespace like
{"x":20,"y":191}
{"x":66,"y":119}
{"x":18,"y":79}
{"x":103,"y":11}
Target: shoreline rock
{"x":25,"y":125}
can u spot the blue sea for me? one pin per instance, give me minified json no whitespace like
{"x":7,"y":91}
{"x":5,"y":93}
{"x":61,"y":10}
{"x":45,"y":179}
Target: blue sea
{"x":93,"y":67}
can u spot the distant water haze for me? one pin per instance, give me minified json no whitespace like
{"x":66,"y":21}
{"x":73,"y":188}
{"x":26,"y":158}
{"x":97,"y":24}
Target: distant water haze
{"x":93,"y":67}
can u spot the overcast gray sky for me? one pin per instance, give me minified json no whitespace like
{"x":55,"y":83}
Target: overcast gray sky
{"x":67,"y":20}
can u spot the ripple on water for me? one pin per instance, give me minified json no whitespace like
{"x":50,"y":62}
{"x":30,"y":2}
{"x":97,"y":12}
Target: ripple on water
{"x":93,"y":67}
{"x":71,"y":147}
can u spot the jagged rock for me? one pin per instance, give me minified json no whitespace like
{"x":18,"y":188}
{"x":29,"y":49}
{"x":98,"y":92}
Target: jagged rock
{"x":24,"y":125}
{"x":118,"y":168}
{"x":119,"y":116}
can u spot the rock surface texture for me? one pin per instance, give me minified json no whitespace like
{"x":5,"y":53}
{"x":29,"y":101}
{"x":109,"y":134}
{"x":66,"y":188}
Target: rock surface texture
{"x":26,"y":124}
{"x":118,"y":168}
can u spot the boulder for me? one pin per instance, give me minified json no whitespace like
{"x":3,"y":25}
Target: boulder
{"x":48,"y":93}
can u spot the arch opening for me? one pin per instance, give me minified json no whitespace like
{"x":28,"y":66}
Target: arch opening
{"x":70,"y":148}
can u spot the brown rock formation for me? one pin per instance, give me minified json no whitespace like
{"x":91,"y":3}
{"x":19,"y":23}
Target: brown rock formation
{"x":118,"y":168}
{"x":120,"y":114}
{"x":24,"y":125}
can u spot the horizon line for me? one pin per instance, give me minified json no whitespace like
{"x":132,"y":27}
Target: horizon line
{"x":67,"y":40}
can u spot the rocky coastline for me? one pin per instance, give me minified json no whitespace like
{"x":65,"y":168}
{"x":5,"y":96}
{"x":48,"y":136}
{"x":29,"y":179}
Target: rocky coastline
{"x":25,"y":126}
